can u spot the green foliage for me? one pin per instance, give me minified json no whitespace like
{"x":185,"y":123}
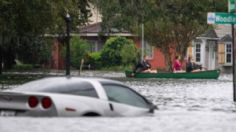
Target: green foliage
{"x":38,"y":48}
{"x":96,"y":56}
{"x":122,"y":14}
{"x":111,"y":53}
{"x":79,"y":49}
{"x":168,"y":24}
{"x":24,"y":23}
{"x":94,"y":60}
{"x":23,"y":67}
{"x":129,"y":53}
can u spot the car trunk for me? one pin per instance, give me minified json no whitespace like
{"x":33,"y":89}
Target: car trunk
{"x":19,"y":104}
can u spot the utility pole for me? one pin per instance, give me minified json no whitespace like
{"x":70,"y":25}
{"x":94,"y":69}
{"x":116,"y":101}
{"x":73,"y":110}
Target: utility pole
{"x":142,"y":26}
{"x":142,"y":41}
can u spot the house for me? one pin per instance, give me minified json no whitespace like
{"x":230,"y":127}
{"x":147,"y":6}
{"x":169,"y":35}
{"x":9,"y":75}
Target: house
{"x":92,"y":33}
{"x":204,"y":50}
{"x":213,"y":49}
{"x":225,"y":54}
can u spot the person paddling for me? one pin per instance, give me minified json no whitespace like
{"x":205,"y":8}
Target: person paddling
{"x":144,"y":66}
{"x":192,"y":66}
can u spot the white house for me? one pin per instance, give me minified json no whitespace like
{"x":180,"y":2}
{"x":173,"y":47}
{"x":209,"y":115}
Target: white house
{"x":213,"y":49}
{"x":204,"y":50}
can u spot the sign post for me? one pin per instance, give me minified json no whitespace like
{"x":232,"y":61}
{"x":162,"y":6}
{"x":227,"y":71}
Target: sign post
{"x":234,"y":65}
{"x":231,"y":6}
{"x":231,"y":10}
{"x":227,"y":18}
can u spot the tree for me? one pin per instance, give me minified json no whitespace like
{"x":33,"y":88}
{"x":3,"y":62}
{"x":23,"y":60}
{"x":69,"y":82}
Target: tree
{"x":79,"y":49}
{"x":180,"y":21}
{"x":171,"y":24}
{"x":123,"y":15}
{"x":21,"y":23}
{"x":24,"y":22}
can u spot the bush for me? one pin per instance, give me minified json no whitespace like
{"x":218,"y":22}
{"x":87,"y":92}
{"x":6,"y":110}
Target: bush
{"x":79,"y":49}
{"x":94,"y":60}
{"x":23,"y":67}
{"x":129,"y":54}
{"x":113,"y":50}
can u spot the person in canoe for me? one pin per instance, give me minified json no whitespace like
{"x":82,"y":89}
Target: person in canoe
{"x":177,"y":67}
{"x":192,"y":66}
{"x":144,"y":66}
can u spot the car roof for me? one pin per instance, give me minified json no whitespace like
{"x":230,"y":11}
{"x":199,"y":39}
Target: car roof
{"x":48,"y":82}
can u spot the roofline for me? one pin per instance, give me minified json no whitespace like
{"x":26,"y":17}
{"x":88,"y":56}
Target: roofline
{"x":93,"y":34}
{"x":107,"y":34}
{"x":207,"y":38}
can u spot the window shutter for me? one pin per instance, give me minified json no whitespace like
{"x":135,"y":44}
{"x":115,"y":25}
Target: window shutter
{"x":221,"y":53}
{"x":190,"y":51}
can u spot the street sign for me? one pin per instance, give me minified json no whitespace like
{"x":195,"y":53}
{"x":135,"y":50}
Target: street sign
{"x":221,"y":18}
{"x":231,"y":5}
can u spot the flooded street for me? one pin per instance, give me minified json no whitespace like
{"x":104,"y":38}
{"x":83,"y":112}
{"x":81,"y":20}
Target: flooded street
{"x":183,"y":106}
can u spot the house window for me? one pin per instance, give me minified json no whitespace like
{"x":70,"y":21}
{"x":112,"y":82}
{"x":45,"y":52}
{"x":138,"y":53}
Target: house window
{"x":148,"y":49}
{"x":93,"y":46}
{"x":198,"y":53}
{"x":228,"y":55}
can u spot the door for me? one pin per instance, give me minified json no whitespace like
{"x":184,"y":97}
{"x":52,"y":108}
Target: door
{"x":125,"y":101}
{"x":211,"y":55}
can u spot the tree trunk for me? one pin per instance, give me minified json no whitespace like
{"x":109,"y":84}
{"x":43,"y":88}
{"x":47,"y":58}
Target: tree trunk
{"x":168,"y":60}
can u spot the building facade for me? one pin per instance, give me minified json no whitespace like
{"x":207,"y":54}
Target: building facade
{"x":213,"y":49}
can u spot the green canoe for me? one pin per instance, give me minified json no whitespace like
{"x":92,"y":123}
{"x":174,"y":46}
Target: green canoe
{"x":210,"y":74}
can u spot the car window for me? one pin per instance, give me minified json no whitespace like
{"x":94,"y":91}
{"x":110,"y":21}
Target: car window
{"x":125,"y":95}
{"x":83,"y":89}
{"x":60,"y":85}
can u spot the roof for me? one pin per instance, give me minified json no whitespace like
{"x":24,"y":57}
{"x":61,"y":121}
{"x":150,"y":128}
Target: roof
{"x":226,"y":38}
{"x":197,"y":40}
{"x":96,"y":29}
{"x":210,"y":34}
{"x":92,"y":28}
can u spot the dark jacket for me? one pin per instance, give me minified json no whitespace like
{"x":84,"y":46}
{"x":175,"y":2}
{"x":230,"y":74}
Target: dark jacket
{"x":142,"y":66}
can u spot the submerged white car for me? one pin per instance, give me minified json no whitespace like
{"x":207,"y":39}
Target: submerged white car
{"x":73,"y":96}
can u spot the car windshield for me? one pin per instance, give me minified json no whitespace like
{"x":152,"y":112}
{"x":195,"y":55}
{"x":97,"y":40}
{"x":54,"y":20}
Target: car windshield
{"x":125,"y":95}
{"x":60,"y":85}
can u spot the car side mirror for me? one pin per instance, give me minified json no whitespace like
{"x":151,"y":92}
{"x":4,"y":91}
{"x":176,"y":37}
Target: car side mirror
{"x":153,"y":108}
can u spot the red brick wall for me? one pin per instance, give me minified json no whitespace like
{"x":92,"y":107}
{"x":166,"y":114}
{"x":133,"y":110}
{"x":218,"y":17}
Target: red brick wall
{"x":57,"y":59}
{"x":158,"y":60}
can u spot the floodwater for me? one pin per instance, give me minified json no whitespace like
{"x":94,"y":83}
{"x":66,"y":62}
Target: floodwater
{"x":183,"y":106}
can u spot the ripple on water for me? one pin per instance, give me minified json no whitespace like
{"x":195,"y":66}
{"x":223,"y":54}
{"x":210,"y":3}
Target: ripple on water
{"x":184,"y":106}
{"x":187,"y":95}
